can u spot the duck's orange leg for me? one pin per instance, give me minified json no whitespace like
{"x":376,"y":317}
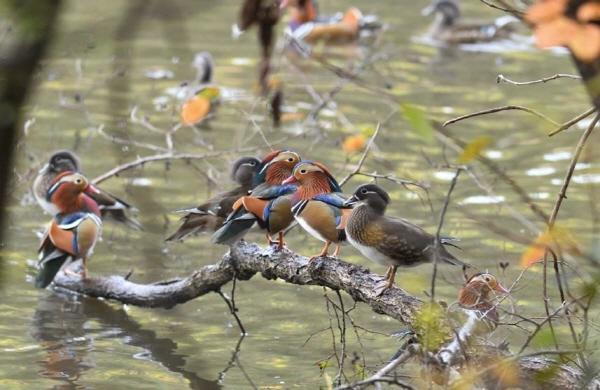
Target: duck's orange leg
{"x":323,"y":252}
{"x":337,"y":250}
{"x":390,"y":282}
{"x":85,"y":273}
{"x":281,"y":242}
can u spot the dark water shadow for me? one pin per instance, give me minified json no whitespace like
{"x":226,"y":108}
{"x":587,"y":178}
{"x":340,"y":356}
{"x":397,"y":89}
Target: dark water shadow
{"x":59,"y":326}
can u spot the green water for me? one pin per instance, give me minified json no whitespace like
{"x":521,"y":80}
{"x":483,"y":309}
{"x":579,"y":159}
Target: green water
{"x":54,"y":340}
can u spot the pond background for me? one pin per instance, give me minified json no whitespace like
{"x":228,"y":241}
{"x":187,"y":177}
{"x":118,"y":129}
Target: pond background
{"x":54,"y":340}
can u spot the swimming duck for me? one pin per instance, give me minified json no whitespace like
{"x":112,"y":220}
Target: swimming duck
{"x":448,"y":27}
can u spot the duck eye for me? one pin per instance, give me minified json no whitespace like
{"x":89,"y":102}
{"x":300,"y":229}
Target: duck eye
{"x":488,"y":279}
{"x":252,"y":163}
{"x":363,"y":191}
{"x":77,"y":181}
{"x":303,"y":171}
{"x":290,"y":159}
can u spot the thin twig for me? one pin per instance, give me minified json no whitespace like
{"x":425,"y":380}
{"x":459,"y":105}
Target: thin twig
{"x":571,"y":122}
{"x":499,"y":109}
{"x":501,"y":78}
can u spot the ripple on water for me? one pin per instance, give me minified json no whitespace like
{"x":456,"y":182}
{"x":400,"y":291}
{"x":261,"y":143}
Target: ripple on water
{"x":540,"y":171}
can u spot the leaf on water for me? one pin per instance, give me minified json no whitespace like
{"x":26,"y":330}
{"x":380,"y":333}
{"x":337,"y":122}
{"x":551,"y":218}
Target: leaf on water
{"x":418,"y":120}
{"x":354,"y":143}
{"x":210,"y":93}
{"x":472,"y":149}
{"x":194,"y":110}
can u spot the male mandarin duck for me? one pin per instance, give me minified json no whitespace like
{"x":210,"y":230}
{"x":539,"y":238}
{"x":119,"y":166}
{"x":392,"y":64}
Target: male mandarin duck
{"x":477,"y":295}
{"x":318,"y":205}
{"x":387,"y":240}
{"x":62,"y":161}
{"x":448,"y":27}
{"x":211,"y":214}
{"x":74,"y":230}
{"x":268,"y":204}
{"x":306,"y":25}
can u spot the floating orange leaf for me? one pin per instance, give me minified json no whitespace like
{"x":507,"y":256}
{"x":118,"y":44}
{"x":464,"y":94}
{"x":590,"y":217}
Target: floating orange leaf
{"x":472,"y":149}
{"x":194,"y":110}
{"x":585,"y":44}
{"x":354,"y":143}
{"x":558,"y":32}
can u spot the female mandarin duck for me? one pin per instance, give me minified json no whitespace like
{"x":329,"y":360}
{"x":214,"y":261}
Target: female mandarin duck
{"x":447,"y":26}
{"x":268,"y":204}
{"x":318,"y":205}
{"x":74,"y":230}
{"x":477,"y":295}
{"x":211,"y":214}
{"x":388,"y":240}
{"x":306,"y":25}
{"x":62,"y":161}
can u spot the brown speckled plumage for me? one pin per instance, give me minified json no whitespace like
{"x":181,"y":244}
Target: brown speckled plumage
{"x":390,"y":241}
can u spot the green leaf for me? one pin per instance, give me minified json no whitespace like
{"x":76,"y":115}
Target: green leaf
{"x":418,"y":121}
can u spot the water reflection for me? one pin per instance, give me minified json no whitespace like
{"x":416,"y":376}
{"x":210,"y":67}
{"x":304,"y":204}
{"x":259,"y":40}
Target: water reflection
{"x":59,"y":324}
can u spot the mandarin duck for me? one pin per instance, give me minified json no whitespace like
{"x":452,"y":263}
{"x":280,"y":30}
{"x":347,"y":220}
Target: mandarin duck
{"x":448,"y":27}
{"x":306,"y":25}
{"x":267,"y":205}
{"x":61,"y":161}
{"x":318,"y":205}
{"x":210,"y":215}
{"x":477,"y":295}
{"x":74,"y":230}
{"x":387,"y":240}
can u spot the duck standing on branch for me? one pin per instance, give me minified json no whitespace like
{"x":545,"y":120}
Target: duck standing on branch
{"x":448,"y":27}
{"x":390,"y":241}
{"x":61,"y":161}
{"x":477,"y":295}
{"x":268,"y":204}
{"x":306,"y":25}
{"x":74,"y":230}
{"x":318,"y":205}
{"x":210,"y":215}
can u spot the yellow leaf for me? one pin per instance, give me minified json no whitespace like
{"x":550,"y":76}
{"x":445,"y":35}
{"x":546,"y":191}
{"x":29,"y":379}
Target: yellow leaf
{"x":536,"y":250}
{"x":210,"y":93}
{"x":194,"y":110}
{"x":472,"y":149}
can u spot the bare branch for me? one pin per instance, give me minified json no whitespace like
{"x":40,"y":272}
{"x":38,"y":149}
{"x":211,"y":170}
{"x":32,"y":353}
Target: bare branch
{"x":499,"y":109}
{"x":501,"y":78}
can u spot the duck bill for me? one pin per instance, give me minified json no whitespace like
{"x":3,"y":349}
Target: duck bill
{"x":92,"y":189}
{"x":290,"y":180}
{"x":351,"y":201}
{"x":499,"y":288}
{"x":428,"y":10}
{"x":45,"y":168}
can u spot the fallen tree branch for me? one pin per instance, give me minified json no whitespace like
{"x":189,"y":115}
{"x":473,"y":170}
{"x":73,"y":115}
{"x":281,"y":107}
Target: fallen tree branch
{"x":244,"y":260}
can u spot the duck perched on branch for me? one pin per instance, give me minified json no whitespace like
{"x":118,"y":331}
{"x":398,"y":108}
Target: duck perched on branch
{"x":110,"y":206}
{"x":391,"y":241}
